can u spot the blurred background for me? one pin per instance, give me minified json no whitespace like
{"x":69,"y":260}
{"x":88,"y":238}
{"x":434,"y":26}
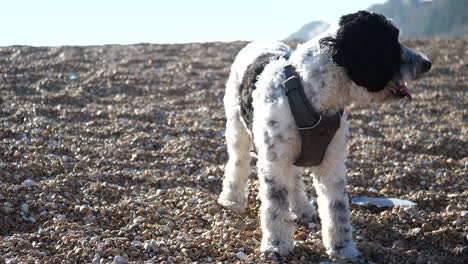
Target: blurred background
{"x":88,"y":22}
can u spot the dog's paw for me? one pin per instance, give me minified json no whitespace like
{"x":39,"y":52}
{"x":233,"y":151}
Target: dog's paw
{"x":305,"y":213}
{"x":235,"y":205}
{"x":282,"y":247}
{"x":351,"y":253}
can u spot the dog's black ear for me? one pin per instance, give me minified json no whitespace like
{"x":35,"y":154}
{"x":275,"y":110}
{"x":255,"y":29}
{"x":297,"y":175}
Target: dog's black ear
{"x":367,"y":46}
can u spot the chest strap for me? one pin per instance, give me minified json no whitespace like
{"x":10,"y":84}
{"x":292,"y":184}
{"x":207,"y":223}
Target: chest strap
{"x":316,"y":130}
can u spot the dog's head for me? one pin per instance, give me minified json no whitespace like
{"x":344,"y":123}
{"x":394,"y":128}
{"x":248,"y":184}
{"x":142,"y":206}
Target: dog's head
{"x":367,"y":46}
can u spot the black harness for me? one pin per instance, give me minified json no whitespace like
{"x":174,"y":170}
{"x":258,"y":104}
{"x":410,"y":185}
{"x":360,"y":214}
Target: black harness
{"x":316,"y":130}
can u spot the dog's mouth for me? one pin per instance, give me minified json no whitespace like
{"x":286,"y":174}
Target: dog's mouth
{"x":399,"y":89}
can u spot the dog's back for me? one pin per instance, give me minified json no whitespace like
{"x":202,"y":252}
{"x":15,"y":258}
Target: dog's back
{"x":249,"y":63}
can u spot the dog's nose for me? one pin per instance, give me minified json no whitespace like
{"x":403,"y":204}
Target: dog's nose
{"x":426,"y":66}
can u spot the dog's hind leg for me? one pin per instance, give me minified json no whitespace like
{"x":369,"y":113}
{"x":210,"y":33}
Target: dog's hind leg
{"x":301,"y":208}
{"x":237,"y":170}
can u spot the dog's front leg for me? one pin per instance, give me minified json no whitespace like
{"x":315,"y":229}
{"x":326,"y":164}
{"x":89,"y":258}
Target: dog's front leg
{"x":276,"y":176}
{"x":276,"y":219}
{"x":332,"y":199}
{"x":333,"y":207}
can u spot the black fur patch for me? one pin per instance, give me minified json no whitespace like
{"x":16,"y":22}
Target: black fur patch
{"x":367,"y":46}
{"x":279,"y":194}
{"x":276,"y":242}
{"x":268,"y":181}
{"x":272,"y":123}
{"x":248,"y":85}
{"x":339,"y":206}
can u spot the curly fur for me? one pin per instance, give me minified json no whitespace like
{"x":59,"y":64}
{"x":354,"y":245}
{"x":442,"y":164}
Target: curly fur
{"x":346,"y":64}
{"x":367,"y":46}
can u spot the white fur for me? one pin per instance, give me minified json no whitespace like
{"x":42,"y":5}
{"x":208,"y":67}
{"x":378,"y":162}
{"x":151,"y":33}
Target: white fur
{"x":276,"y":138}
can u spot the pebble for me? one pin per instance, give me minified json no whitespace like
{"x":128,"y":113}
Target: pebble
{"x":12,"y":261}
{"x":148,"y":247}
{"x":212,"y":179}
{"x":140,"y":151}
{"x":120,"y":260}
{"x":96,"y":258}
{"x":185,"y":252}
{"x":399,"y":244}
{"x":28,"y":183}
{"x":84,"y":209}
{"x":413,"y":211}
{"x":451,"y":208}
{"x":7,"y":209}
{"x":464,"y":213}
{"x":60,"y":217}
{"x":160,"y":192}
{"x":426,"y":227}
{"x":241,"y":255}
{"x":458,"y":222}
{"x":360,"y":238}
{"x":464,"y":251}
{"x":24,"y":207}
{"x":416,"y":231}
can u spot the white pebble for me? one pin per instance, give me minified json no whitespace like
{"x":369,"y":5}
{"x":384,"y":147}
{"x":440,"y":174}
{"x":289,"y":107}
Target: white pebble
{"x":160,"y":192}
{"x":119,"y":260}
{"x":241,"y":255}
{"x":60,"y":217}
{"x":11,"y":261}
{"x":147,"y":247}
{"x":212,"y":179}
{"x":464,"y":213}
{"x":96,"y":258}
{"x":416,"y":231}
{"x":29,"y":183}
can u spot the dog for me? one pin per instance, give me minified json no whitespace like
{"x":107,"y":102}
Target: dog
{"x":360,"y":60}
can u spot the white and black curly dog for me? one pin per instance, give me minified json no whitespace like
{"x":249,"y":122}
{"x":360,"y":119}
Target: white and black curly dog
{"x":359,"y":60}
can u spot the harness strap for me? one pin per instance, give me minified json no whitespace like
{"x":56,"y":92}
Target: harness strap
{"x":316,"y":131}
{"x":304,"y":114}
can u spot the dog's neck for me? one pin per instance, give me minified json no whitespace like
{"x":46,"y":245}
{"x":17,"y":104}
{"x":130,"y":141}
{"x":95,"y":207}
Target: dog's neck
{"x":326,"y":85}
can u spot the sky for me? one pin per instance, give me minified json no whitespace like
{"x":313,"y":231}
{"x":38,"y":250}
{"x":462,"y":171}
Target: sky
{"x":97,"y":22}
